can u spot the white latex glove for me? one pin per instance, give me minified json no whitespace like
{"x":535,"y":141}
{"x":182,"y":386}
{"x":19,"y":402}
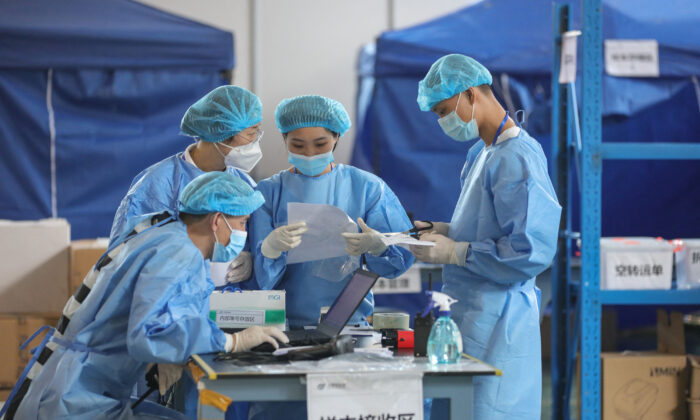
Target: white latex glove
{"x":438,"y":227}
{"x":445,"y":251}
{"x":283,"y":239}
{"x":253,"y":336}
{"x":168,"y":374}
{"x":368,"y":241}
{"x":240,"y":268}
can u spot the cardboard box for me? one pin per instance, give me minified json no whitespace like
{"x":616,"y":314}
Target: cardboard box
{"x":687,"y":263}
{"x":243,"y":309}
{"x":694,"y":373}
{"x":635,"y":263}
{"x":694,"y":409}
{"x":4,"y":394}
{"x":15,"y":330}
{"x":34,"y":261}
{"x":643,"y":386}
{"x":84,"y":253}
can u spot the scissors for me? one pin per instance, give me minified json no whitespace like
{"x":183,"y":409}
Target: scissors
{"x":414,"y":232}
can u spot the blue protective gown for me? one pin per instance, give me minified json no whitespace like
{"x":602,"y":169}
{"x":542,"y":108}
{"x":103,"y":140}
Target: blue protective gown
{"x":509,"y":213}
{"x":157,"y":188}
{"x":149,"y":305}
{"x":359,"y":194}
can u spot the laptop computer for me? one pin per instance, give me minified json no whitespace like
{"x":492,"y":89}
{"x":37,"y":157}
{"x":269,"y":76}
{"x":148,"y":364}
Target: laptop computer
{"x":337,"y":316}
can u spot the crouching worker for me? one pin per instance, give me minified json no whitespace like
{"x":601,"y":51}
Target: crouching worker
{"x":145,"y":302}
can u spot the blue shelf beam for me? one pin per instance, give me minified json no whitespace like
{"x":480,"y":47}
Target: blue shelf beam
{"x":560,"y":267}
{"x":650,"y":297}
{"x":650,"y":151}
{"x":591,"y":132}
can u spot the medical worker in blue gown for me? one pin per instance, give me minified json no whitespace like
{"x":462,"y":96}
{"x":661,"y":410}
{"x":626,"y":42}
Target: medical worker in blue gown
{"x":311,"y":127}
{"x":226,"y":126}
{"x":149,"y":304}
{"x":502,"y":234}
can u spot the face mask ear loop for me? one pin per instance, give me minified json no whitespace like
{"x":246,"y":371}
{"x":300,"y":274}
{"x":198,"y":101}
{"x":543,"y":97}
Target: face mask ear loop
{"x":472,"y":117}
{"x":216,"y":238}
{"x":458,"y":98}
{"x":216,"y":146}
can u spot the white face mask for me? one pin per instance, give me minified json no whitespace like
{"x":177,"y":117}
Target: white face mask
{"x":243,"y":157}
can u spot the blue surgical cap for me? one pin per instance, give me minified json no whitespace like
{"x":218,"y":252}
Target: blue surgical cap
{"x":219,"y":192}
{"x":312,"y":111}
{"x":222,"y":113}
{"x":448,"y":76}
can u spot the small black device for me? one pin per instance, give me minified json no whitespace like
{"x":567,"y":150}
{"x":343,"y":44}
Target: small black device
{"x":337,"y":316}
{"x":421,"y":331}
{"x":422,"y":325}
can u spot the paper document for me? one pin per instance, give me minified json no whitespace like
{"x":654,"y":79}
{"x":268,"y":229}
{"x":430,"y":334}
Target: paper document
{"x":404,"y":240}
{"x":323,"y":240}
{"x":284,"y":350}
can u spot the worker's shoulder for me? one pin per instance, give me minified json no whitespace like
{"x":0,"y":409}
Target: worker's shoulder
{"x":159,"y":169}
{"x":271,"y":182}
{"x":354,"y":173}
{"x":521,"y":148}
{"x":170,"y":242}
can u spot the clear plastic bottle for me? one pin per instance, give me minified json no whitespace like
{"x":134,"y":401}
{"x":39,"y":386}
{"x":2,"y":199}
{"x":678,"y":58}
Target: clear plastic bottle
{"x":444,"y":342}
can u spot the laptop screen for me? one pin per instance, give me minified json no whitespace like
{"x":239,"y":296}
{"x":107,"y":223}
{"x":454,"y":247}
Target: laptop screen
{"x":347,"y":302}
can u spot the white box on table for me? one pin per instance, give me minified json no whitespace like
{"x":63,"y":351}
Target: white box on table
{"x":34,"y":260}
{"x":243,"y":309}
{"x":635,"y":263}
{"x":687,"y":263}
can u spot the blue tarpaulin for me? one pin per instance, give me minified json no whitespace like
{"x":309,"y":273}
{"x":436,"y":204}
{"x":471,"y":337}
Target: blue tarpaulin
{"x":514,"y":40}
{"x":91,"y":93}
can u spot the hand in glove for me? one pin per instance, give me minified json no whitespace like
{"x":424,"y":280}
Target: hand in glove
{"x":445,"y":251}
{"x":438,"y":227}
{"x":240,"y":268}
{"x":253,"y":336}
{"x":283,"y":239}
{"x":167,"y":375}
{"x":368,"y":241}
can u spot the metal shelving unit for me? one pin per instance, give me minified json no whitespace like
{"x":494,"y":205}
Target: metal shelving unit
{"x":584,"y":300}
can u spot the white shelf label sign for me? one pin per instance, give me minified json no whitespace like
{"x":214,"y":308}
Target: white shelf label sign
{"x":632,"y":57}
{"x":366,"y":395}
{"x":408,"y":282}
{"x":567,"y":66}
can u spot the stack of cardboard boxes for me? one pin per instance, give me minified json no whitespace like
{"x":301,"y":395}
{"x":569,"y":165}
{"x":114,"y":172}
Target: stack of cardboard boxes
{"x":39,"y":271}
{"x":652,"y":385}
{"x":694,"y":389}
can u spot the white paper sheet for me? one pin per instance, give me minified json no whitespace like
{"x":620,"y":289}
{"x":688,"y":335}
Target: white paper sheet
{"x":376,"y":395}
{"x":323,"y":240}
{"x":404,"y":241}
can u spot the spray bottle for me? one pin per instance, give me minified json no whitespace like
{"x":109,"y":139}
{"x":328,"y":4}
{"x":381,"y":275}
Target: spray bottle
{"x":445,"y":340}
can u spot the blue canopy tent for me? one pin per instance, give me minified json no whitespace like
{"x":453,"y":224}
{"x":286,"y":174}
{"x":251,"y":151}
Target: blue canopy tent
{"x":513,"y":39}
{"x":91,"y":93}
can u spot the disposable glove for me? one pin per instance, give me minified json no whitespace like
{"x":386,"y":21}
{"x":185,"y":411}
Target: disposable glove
{"x":240,"y":268}
{"x":445,"y":251}
{"x":253,"y":336}
{"x":167,"y":375}
{"x":368,"y":241}
{"x":438,"y":227}
{"x":283,"y":239}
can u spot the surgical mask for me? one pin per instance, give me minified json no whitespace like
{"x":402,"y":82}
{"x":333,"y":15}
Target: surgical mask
{"x":243,"y":157}
{"x":311,"y":165}
{"x":223,"y":254}
{"x":456,"y":128}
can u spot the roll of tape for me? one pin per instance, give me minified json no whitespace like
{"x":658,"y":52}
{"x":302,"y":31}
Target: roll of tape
{"x":390,"y":320}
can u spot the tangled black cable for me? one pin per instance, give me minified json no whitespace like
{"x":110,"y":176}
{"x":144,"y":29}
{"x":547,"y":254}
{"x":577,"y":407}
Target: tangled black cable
{"x":337,"y":345}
